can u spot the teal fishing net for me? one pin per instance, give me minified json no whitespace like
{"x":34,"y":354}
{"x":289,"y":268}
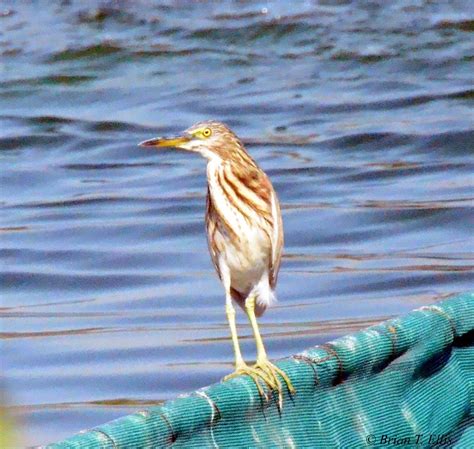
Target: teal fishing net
{"x":408,"y":382}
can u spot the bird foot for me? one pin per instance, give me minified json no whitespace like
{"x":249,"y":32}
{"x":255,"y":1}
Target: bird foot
{"x":272,"y":372}
{"x":254,"y":373}
{"x":267,"y":372}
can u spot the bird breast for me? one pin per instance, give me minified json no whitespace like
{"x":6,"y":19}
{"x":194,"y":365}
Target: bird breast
{"x":236,"y":232}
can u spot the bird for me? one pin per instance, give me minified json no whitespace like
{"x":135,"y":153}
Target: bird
{"x":244,"y":233}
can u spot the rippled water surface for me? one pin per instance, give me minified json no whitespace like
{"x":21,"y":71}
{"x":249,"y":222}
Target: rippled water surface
{"x":361,"y":112}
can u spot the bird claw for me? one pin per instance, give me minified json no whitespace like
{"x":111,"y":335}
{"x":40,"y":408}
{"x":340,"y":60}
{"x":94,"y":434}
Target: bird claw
{"x":267,"y":372}
{"x":273,"y":372}
{"x":254,"y":373}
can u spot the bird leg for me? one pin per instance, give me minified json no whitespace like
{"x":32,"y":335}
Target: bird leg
{"x":230,"y":312}
{"x":241,"y":368}
{"x":263,"y":364}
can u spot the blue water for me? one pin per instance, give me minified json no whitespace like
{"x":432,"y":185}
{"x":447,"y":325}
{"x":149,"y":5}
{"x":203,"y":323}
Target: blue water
{"x":360,"y":112}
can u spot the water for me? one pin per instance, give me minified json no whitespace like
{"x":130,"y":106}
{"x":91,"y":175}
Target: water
{"x":361,"y":114}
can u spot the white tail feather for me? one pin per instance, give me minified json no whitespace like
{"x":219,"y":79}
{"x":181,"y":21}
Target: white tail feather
{"x":265,"y":295}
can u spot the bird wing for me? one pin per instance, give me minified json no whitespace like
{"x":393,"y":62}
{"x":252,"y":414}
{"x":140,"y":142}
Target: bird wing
{"x":211,"y":226}
{"x":276,"y":240}
{"x":260,"y":195}
{"x":265,"y":202}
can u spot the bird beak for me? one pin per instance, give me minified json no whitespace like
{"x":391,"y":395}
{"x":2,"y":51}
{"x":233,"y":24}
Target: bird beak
{"x":172,"y":142}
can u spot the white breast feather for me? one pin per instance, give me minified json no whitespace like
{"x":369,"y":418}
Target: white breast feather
{"x":248,"y":263}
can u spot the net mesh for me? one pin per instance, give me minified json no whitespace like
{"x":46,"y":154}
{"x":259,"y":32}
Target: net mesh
{"x":408,"y":382}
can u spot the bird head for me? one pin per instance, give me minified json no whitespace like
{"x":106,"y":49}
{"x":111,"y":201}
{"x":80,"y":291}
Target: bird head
{"x":211,"y":139}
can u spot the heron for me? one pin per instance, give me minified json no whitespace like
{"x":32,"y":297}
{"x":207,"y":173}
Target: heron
{"x":245,"y":236}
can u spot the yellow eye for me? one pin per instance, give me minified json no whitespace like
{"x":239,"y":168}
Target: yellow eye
{"x":207,"y":132}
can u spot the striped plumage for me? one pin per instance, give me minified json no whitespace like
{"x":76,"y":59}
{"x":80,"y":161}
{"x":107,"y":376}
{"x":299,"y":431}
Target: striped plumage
{"x":245,"y":233}
{"x":244,"y":226}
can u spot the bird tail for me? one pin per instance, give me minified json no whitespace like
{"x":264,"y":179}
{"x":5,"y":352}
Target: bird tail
{"x":265,"y":298}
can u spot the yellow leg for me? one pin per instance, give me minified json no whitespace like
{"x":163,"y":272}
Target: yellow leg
{"x":263,"y":363}
{"x":230,"y":312}
{"x":241,"y":368}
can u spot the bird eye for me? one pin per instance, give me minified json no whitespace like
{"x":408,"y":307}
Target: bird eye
{"x":207,"y":132}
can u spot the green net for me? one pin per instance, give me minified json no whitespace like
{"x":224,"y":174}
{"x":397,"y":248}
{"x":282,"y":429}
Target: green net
{"x":408,"y":382}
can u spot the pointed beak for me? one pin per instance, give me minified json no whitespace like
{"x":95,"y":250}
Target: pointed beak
{"x":171,"y":142}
